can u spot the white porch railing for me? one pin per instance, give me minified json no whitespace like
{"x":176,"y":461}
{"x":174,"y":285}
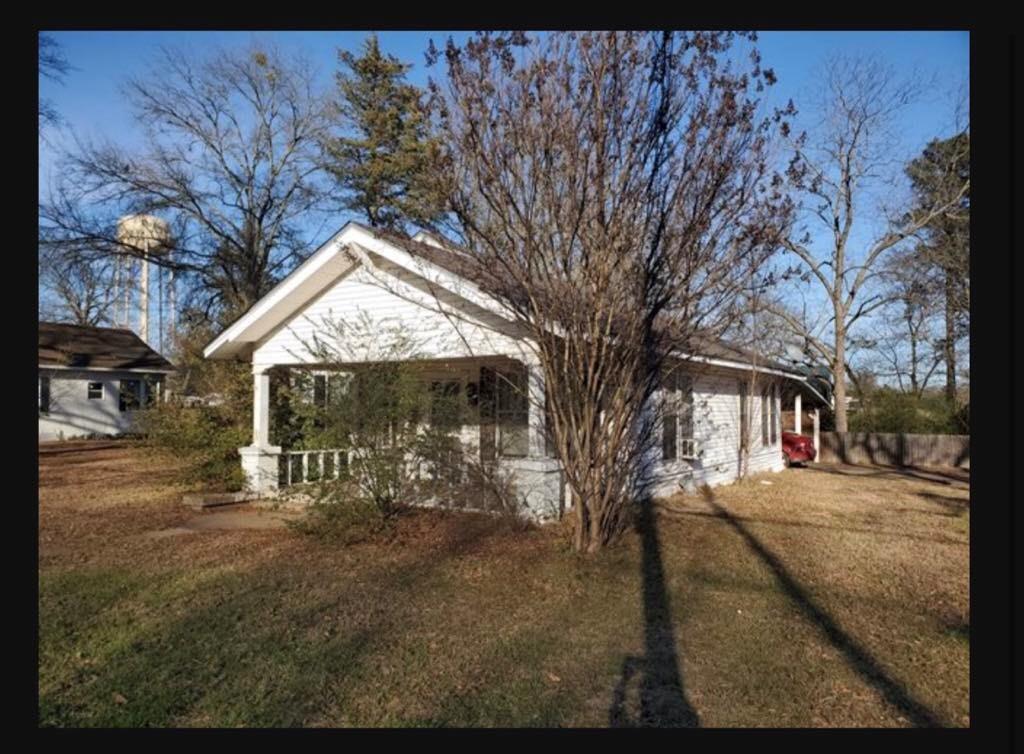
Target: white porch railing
{"x":688,"y":448}
{"x":304,"y":466}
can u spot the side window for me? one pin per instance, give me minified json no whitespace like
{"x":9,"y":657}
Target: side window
{"x":129,"y":395}
{"x":686,"y":407}
{"x":670,"y":417}
{"x":512,"y":412}
{"x":446,"y":404}
{"x":677,"y":424}
{"x":773,"y":397}
{"x":765,"y":408}
{"x":95,"y":391}
{"x":320,"y":390}
{"x":744,"y":415}
{"x":44,"y":393}
{"x":550,"y":448}
{"x":669,"y":431}
{"x":486,"y":400}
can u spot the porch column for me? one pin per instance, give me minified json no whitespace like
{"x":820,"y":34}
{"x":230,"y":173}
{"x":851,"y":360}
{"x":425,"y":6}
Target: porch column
{"x":797,"y":418}
{"x":260,"y":406}
{"x":260,"y":460}
{"x":817,"y":433}
{"x":536,"y":392}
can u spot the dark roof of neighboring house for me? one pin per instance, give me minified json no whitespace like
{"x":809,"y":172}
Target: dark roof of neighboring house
{"x":84,"y":347}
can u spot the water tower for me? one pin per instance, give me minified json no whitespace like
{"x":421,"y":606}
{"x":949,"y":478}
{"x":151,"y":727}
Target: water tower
{"x":152,"y":237}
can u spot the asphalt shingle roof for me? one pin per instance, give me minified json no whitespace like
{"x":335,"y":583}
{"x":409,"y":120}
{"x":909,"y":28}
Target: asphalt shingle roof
{"x":65,"y":345}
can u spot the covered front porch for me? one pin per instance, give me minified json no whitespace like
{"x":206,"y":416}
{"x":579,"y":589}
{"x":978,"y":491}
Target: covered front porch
{"x":494,"y":406}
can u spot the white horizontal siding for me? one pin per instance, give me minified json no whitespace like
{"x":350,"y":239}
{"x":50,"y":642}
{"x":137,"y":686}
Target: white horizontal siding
{"x":716,"y":418}
{"x":73,"y":414}
{"x":375,"y":306}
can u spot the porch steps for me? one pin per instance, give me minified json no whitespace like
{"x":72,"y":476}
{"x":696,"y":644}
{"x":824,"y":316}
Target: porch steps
{"x":204,"y":500}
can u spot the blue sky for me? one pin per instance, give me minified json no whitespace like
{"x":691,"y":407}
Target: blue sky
{"x":91,"y":104}
{"x":90,"y":100}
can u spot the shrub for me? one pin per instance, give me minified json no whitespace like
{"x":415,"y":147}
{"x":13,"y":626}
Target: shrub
{"x":205,"y":438}
{"x":339,"y":513}
{"x":203,"y":435}
{"x":889,"y":410}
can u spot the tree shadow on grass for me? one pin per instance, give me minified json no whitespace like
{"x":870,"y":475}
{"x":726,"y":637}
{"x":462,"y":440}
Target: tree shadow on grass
{"x":954,"y":506}
{"x":655,"y":677}
{"x":857,"y":657}
{"x":957,"y":478}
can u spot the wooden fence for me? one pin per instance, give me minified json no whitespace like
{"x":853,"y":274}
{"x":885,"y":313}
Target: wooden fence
{"x":895,"y":449}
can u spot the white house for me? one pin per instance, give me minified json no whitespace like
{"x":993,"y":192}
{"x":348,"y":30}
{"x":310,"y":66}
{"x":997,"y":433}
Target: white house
{"x":92,"y":379}
{"x":390,"y":283}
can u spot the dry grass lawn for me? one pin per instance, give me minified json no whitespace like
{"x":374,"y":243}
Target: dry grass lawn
{"x":834,"y":596}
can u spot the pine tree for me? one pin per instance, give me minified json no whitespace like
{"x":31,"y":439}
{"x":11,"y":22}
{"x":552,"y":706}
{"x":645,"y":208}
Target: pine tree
{"x":937,"y":176}
{"x":380,"y":159}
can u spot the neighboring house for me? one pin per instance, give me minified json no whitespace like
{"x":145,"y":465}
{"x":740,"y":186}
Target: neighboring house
{"x":466,"y":347}
{"x":92,"y":380}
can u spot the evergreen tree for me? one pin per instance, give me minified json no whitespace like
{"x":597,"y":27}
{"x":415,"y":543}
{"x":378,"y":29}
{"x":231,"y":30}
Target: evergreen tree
{"x":937,"y":177}
{"x":381,"y":156}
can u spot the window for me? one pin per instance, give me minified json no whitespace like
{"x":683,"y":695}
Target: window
{"x":668,"y":437}
{"x":129,"y":395}
{"x":95,"y":391}
{"x":686,"y":408}
{"x":677,"y":423}
{"x":744,"y":416}
{"x":512,"y":413}
{"x":483,"y":396}
{"x":44,"y":394}
{"x":445,"y":404}
{"x":550,"y":448}
{"x":765,"y":398}
{"x":774,"y":415}
{"x":320,"y":390}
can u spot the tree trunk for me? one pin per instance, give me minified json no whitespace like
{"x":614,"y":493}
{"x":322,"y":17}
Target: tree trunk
{"x":913,"y":352}
{"x":950,"y":344}
{"x":581,"y":528}
{"x":839,"y":377}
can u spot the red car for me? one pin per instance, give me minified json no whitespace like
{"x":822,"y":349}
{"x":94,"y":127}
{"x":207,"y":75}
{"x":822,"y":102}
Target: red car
{"x":796,"y":448}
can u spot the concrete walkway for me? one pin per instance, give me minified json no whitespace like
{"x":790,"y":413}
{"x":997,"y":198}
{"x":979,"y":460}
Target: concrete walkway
{"x":231,"y":518}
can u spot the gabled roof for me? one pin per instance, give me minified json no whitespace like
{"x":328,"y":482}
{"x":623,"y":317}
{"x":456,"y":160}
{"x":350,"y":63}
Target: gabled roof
{"x":65,"y":346}
{"x":449,"y":260}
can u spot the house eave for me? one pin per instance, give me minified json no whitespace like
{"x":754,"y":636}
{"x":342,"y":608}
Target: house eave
{"x":88,"y":368}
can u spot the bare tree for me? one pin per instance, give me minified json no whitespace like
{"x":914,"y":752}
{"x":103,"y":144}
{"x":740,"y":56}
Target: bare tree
{"x":837,"y":172}
{"x":230,"y":159}
{"x":611,"y":190}
{"x":907,"y":345}
{"x":53,"y":66}
{"x":76,"y":289}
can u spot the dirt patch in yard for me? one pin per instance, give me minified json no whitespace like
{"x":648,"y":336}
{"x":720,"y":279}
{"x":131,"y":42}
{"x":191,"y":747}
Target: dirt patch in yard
{"x":834,"y":596}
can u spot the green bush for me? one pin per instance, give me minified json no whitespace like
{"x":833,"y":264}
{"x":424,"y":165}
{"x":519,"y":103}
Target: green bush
{"x":205,"y":438}
{"x":889,"y":410}
{"x":340,"y":514}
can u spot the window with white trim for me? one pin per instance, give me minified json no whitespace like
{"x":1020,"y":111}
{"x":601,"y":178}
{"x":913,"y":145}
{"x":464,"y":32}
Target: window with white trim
{"x":765,"y":408}
{"x":95,"y":391}
{"x":512,"y":412}
{"x":744,"y":415}
{"x":677,"y":421}
{"x":774,"y":414}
